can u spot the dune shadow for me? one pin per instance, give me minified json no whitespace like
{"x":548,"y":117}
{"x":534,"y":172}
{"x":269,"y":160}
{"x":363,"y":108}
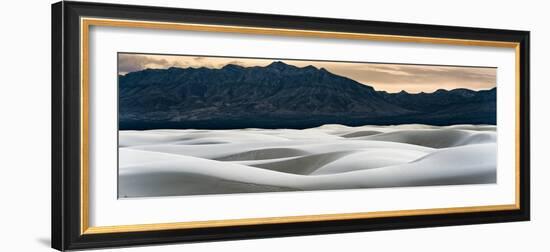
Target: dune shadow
{"x":261,"y":154}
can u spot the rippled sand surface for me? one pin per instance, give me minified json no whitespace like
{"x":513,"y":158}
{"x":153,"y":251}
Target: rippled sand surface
{"x":195,"y":162}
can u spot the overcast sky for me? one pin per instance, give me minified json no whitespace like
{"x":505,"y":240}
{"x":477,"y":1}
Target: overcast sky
{"x":389,"y":77}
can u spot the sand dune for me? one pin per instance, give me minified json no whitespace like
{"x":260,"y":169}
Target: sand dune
{"x":191,"y":162}
{"x":435,"y":138}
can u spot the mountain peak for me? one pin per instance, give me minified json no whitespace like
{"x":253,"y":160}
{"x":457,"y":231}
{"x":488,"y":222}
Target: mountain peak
{"x":463,"y":92}
{"x":232,"y":66}
{"x":310,"y":67}
{"x":277,"y":65}
{"x":173,"y":69}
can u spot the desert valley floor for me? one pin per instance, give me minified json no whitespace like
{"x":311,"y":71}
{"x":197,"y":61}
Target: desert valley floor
{"x":194,"y":162}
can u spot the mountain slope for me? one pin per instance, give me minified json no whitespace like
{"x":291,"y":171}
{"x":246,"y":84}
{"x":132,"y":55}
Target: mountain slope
{"x":443,"y":107}
{"x":440,"y":99}
{"x":277,"y":95}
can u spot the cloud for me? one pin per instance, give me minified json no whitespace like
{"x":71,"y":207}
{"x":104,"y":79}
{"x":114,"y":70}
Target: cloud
{"x":236,"y":62}
{"x":417,"y":78}
{"x":131,"y":63}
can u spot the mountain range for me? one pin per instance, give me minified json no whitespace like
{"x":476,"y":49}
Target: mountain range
{"x":283,"y":96}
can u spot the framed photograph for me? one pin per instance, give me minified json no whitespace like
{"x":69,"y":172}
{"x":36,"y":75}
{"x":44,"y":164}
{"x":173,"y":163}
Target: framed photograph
{"x":180,"y":125}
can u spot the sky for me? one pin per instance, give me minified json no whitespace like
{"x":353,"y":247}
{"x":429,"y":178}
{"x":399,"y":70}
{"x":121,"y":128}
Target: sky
{"x":382,"y":77}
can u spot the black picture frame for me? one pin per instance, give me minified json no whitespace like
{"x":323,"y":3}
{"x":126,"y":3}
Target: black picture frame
{"x":66,"y":126}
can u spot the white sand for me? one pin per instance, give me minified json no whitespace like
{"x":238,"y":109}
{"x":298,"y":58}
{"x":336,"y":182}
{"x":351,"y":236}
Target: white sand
{"x":191,"y":162}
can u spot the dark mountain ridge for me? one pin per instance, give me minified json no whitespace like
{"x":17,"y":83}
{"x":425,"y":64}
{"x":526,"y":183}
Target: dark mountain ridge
{"x":282,"y":95}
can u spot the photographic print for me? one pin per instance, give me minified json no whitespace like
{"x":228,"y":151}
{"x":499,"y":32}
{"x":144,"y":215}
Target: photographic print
{"x":196,"y":125}
{"x":285,"y":121}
